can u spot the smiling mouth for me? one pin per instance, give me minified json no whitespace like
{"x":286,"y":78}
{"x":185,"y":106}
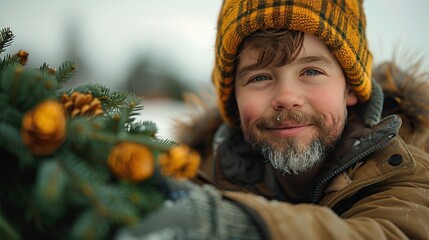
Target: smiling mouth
{"x":288,"y":129}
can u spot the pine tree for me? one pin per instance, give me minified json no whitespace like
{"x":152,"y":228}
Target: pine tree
{"x":75,"y":163}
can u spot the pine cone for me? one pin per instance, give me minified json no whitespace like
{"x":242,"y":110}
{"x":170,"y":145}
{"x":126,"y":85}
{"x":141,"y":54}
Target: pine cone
{"x":80,"y":103}
{"x":44,"y":128}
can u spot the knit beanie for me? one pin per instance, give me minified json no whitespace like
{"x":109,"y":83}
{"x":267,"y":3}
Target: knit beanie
{"x":340,"y":24}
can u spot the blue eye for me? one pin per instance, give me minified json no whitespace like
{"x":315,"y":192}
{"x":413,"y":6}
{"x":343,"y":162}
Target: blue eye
{"x":312,"y":72}
{"x":260,"y":78}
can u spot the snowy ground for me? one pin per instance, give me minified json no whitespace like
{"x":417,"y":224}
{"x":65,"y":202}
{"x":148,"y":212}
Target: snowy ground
{"x":163,"y":112}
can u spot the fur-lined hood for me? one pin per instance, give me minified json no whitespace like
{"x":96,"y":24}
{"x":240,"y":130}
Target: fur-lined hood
{"x":406,"y":93}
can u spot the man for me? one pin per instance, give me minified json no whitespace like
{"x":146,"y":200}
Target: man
{"x":302,"y":152}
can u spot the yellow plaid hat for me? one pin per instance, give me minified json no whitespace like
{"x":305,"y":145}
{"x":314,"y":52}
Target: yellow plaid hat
{"x":339,"y":23}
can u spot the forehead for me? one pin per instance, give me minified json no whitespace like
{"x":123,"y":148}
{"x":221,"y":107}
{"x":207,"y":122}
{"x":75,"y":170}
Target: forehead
{"x":314,"y":46}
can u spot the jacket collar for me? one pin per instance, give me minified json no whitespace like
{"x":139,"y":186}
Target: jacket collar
{"x":357,"y":143}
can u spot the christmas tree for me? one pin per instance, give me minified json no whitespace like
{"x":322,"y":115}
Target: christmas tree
{"x":75,"y":163}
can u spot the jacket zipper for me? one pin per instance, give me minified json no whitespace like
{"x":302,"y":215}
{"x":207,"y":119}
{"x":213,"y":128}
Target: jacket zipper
{"x":318,"y":189}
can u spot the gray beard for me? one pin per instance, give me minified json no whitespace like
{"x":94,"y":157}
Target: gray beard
{"x":289,"y":155}
{"x":291,"y":160}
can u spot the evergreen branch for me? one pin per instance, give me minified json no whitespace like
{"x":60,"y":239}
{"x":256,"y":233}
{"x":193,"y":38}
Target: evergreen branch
{"x":117,"y":204}
{"x":90,"y":225}
{"x":33,"y":212}
{"x":134,"y":107}
{"x":72,"y":190}
{"x":8,"y":114}
{"x":102,"y":203}
{"x":121,"y":111}
{"x":65,"y":71}
{"x":144,"y":196}
{"x":154,"y":143}
{"x":147,"y":128}
{"x":110,"y":101}
{"x":165,"y":143}
{"x":114,"y":100}
{"x":81,"y":132}
{"x":88,"y":197}
{"x":45,"y":68}
{"x":80,"y":170}
{"x":6,"y":38}
{"x":26,"y":88}
{"x":99,"y":91}
{"x":11,"y":142}
{"x":7,"y":61}
{"x":50,"y":187}
{"x":7,"y":231}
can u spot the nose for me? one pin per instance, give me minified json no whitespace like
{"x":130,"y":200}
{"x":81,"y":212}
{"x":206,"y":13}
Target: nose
{"x":286,"y":96}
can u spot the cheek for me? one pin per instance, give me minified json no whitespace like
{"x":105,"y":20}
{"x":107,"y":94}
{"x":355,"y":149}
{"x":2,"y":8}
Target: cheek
{"x":250,"y":110}
{"x":248,"y":114}
{"x":331,"y":105}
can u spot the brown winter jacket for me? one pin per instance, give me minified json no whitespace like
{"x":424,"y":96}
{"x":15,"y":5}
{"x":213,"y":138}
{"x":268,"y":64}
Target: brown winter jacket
{"x":375,"y":184}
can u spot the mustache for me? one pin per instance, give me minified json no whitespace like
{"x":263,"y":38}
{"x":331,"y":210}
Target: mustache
{"x":295,"y":116}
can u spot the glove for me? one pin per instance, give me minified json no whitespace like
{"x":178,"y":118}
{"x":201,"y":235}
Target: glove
{"x":202,"y":214}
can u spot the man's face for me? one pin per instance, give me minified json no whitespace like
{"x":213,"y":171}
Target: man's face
{"x":295,"y":112}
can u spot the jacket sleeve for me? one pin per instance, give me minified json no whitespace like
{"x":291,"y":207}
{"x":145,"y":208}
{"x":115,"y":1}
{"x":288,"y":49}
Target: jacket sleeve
{"x":395,"y":209}
{"x":305,"y":221}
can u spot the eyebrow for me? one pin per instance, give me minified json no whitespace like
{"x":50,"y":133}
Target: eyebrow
{"x":249,"y":68}
{"x":304,"y":60}
{"x":313,"y":59}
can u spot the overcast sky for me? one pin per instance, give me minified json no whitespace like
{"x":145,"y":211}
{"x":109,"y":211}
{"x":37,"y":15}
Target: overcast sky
{"x":111,"y":33}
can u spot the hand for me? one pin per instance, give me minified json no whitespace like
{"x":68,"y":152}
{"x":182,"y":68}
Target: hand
{"x":202,"y":214}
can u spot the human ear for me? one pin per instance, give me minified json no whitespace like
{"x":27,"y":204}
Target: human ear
{"x":351,"y":98}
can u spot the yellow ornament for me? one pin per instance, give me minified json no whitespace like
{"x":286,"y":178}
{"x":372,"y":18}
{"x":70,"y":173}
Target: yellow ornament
{"x":44,"y":128}
{"x":180,"y":162}
{"x":131,"y":161}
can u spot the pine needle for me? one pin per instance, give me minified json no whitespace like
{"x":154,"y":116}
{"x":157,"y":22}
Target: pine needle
{"x":14,"y":144}
{"x":7,"y":61}
{"x":6,"y":38}
{"x":65,"y":71}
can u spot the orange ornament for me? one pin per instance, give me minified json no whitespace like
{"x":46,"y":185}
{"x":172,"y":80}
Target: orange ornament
{"x":180,"y":162}
{"x":131,"y":161}
{"x":22,"y":57}
{"x":44,"y":128}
